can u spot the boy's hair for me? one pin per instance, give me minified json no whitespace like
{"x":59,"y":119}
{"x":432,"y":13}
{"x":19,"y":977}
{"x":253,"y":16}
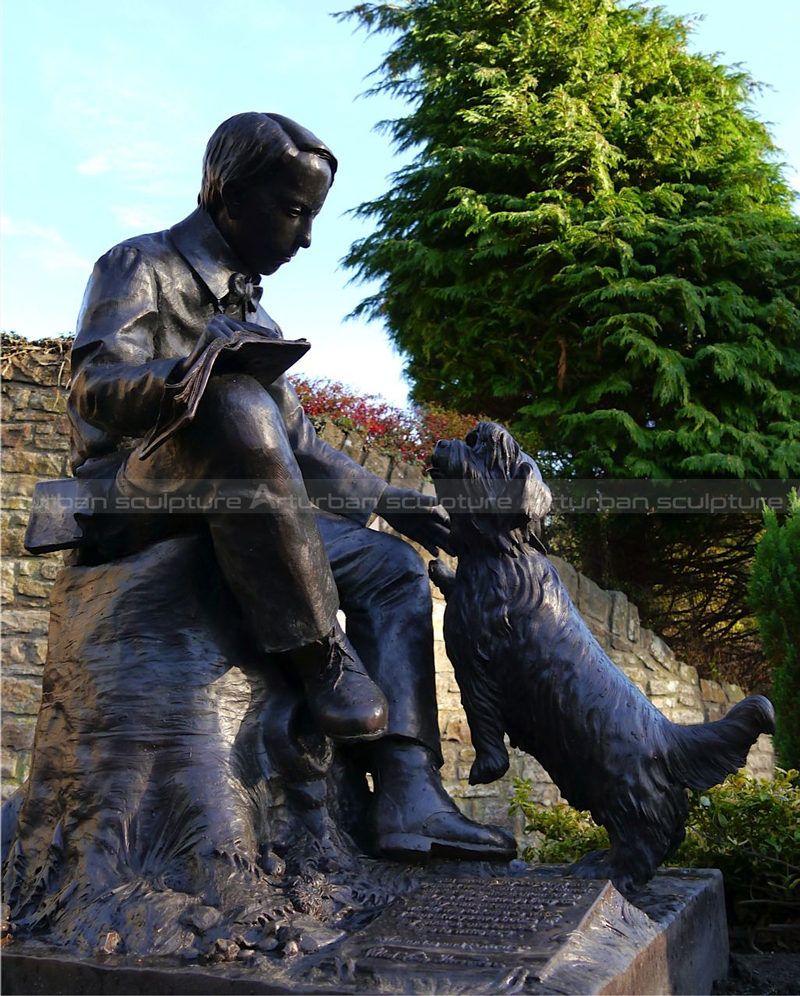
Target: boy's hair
{"x":252,"y":146}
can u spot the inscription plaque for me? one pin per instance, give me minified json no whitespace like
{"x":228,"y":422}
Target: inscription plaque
{"x":478,"y":925}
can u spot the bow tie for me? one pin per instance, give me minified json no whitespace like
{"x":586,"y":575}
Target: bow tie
{"x":243,"y":292}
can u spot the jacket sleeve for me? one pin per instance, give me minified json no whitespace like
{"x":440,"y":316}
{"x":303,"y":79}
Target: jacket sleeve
{"x":334,"y":482}
{"x":117,"y":384}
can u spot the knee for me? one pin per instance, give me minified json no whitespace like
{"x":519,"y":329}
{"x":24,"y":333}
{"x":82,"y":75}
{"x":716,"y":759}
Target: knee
{"x":236,"y":399}
{"x":239,"y":414}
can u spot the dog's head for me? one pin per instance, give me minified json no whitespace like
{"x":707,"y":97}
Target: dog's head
{"x":492,"y":490}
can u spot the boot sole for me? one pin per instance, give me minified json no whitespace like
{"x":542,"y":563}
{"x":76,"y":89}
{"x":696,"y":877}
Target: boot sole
{"x":415,"y":848}
{"x":358,"y":738}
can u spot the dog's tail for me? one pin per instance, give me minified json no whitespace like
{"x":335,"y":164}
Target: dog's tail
{"x":704,"y":754}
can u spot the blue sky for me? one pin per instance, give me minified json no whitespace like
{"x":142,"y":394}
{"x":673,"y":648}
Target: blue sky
{"x":108,"y":106}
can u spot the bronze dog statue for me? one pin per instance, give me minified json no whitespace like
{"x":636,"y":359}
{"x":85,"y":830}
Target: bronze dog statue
{"x":527,"y":665}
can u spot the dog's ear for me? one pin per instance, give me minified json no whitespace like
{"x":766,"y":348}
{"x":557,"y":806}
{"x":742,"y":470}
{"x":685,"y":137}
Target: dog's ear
{"x":530,"y":494}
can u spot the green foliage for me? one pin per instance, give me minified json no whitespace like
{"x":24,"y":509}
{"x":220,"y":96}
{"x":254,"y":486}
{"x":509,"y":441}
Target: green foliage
{"x":775,"y":598}
{"x":593,"y":243}
{"x":749,"y":828}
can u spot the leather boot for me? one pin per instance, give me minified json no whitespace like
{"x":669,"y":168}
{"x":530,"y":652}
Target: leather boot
{"x":343,"y":700}
{"x":413,"y":818}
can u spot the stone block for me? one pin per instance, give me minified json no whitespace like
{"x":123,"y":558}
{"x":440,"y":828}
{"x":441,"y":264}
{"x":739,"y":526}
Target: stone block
{"x":666,"y":703}
{"x":7,"y":572}
{"x":23,"y":654}
{"x":332,"y":434}
{"x":17,"y":733}
{"x":48,"y":438}
{"x":568,"y":575}
{"x":634,"y":626}
{"x":8,"y":764}
{"x":30,"y":621}
{"x":733,"y":693}
{"x":39,"y":463}
{"x":712,"y":691}
{"x":658,"y":686}
{"x":17,"y":434}
{"x":353,"y":446}
{"x":661,"y":651}
{"x":51,"y":566}
{"x":456,"y":728}
{"x":689,"y":695}
{"x":713,"y":711}
{"x":686,"y":717}
{"x":18,"y":486}
{"x":621,"y":644}
{"x":404,"y":475}
{"x":377,"y":463}
{"x":33,"y":588}
{"x":17,"y":397}
{"x":637,"y":675}
{"x":593,"y":601}
{"x":47,"y":400}
{"x":619,"y":613}
{"x":689,"y":673}
{"x":21,"y":696}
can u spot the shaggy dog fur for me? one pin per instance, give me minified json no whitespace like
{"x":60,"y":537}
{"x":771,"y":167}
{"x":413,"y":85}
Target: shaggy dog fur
{"x":528,"y":666}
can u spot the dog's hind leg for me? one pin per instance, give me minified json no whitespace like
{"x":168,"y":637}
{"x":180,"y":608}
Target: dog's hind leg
{"x":631,"y":861}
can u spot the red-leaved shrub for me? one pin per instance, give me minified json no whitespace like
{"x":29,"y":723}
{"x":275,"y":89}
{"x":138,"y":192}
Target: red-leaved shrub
{"x":408,"y":435}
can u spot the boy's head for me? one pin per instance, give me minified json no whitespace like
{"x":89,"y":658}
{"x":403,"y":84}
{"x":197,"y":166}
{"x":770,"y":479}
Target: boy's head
{"x":265,"y":179}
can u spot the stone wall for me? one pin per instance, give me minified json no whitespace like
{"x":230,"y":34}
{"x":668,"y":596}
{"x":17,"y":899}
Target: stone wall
{"x":35,"y":443}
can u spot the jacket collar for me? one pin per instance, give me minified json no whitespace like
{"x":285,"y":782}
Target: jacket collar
{"x":202,"y":246}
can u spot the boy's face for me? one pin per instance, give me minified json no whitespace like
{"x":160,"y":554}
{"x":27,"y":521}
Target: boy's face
{"x":273,"y":218}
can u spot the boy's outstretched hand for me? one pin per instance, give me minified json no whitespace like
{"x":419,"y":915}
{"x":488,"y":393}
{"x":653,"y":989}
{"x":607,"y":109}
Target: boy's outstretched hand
{"x":416,"y":516}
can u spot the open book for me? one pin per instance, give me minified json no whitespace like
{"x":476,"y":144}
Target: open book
{"x":252,"y":349}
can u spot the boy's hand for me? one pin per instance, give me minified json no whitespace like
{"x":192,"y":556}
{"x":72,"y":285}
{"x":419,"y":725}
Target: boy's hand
{"x":220,"y":327}
{"x":418,"y":517}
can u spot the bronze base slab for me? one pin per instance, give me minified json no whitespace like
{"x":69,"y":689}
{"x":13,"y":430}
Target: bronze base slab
{"x":533,"y":931}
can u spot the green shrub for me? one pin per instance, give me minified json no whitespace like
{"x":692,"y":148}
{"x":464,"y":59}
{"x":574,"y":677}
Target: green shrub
{"x":774,"y":595}
{"x":749,"y":828}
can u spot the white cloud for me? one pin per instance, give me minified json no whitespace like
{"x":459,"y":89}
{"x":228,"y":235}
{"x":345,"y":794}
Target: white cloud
{"x":10,"y":227}
{"x":95,"y":166}
{"x":137,"y":219}
{"x":49,"y":251}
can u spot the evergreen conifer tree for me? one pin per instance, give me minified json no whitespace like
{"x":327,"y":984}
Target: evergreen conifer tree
{"x":594,"y":243}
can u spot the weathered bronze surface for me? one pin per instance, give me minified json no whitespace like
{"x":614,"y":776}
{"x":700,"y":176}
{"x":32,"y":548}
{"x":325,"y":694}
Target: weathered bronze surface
{"x":453,"y":930}
{"x":474,"y":925}
{"x":527,"y":665}
{"x":206,"y":724}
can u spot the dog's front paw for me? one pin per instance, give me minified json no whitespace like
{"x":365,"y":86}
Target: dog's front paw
{"x":488,"y":766}
{"x":442,"y":576}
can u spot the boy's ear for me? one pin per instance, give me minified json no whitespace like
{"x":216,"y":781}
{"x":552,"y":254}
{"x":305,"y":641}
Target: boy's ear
{"x":232,"y":195}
